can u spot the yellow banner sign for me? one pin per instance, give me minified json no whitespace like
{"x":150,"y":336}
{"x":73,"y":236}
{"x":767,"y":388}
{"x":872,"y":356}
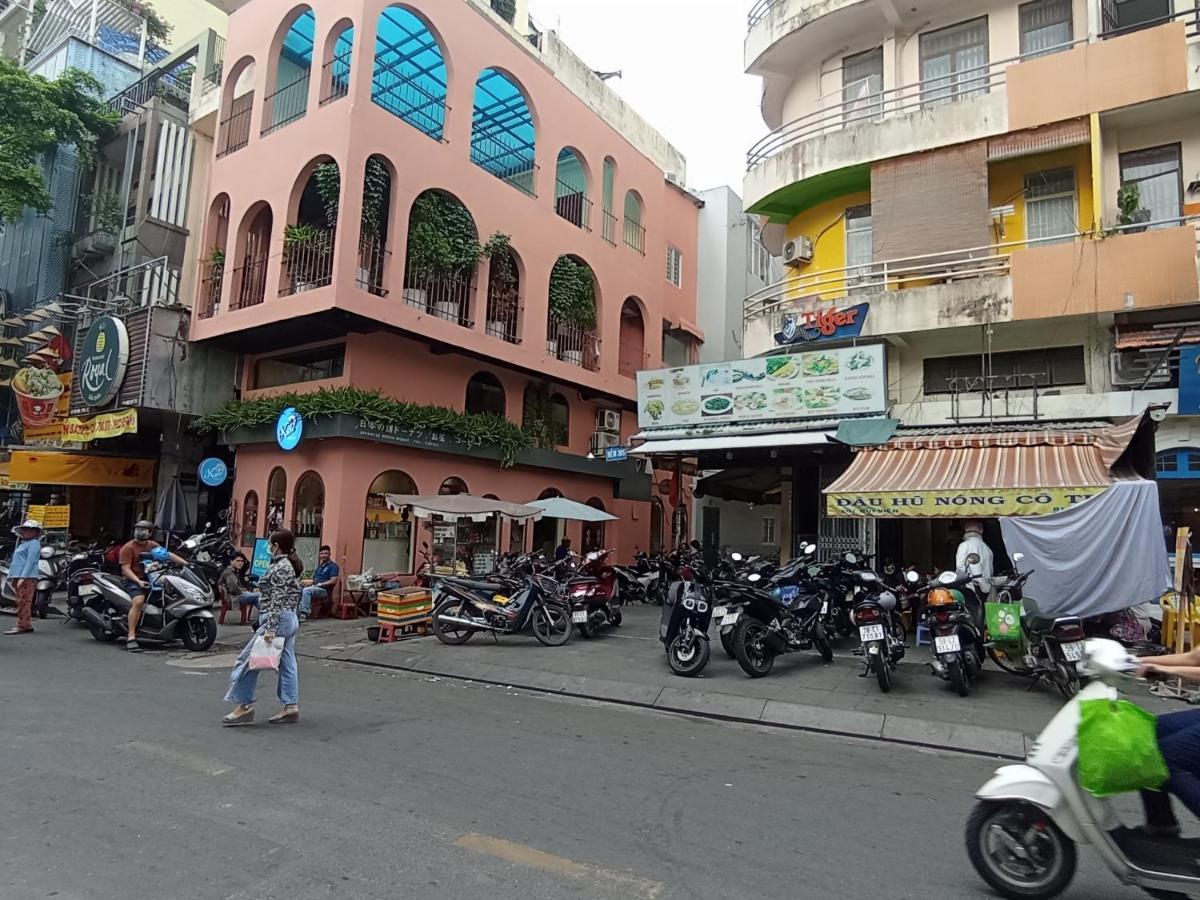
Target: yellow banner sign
{"x":50,"y":467}
{"x":7,"y":485}
{"x":955,"y":504}
{"x":104,"y":425}
{"x":50,"y":517}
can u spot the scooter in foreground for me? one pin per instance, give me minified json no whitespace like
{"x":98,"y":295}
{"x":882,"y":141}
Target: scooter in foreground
{"x":1022,"y":834}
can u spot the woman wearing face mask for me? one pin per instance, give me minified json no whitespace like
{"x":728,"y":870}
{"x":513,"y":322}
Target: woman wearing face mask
{"x":279,"y":593}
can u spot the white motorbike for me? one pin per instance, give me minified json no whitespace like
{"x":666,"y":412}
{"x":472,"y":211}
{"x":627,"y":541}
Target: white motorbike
{"x":1022,"y":834}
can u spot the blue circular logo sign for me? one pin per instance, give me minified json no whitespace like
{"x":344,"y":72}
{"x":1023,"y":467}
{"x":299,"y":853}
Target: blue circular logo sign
{"x":213,"y":472}
{"x":289,"y":428}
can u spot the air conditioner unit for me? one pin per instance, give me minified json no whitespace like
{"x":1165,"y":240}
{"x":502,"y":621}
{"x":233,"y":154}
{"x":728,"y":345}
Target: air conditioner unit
{"x":797,"y":252}
{"x":608,"y":420}
{"x":1130,"y":367}
{"x":602,"y":440}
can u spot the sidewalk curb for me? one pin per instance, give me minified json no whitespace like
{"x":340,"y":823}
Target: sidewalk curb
{"x":994,"y":743}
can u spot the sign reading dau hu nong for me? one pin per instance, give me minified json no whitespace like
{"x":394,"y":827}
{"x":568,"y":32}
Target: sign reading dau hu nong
{"x":102,"y":361}
{"x":955,"y":503}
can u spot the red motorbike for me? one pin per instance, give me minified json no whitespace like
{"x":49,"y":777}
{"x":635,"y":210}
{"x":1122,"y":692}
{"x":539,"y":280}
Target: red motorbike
{"x":591,"y":589}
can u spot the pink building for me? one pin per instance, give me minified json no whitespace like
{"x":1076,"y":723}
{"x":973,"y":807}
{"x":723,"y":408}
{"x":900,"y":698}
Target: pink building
{"x":406,"y":198}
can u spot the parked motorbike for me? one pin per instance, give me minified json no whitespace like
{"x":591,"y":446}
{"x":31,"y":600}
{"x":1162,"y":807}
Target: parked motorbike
{"x":463,"y":607}
{"x":1022,"y":835}
{"x":956,"y":627}
{"x":729,"y":602}
{"x":647,"y":570}
{"x":841,"y":580}
{"x":686,"y":614}
{"x":81,"y":566}
{"x":179,"y":606}
{"x":880,"y":629}
{"x":592,"y":589}
{"x":629,"y":585}
{"x":1053,"y":645}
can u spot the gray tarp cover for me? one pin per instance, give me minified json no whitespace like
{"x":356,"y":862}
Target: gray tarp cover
{"x":1104,"y":555}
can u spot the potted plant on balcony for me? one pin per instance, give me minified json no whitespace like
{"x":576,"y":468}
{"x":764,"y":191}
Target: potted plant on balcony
{"x":377,"y":189}
{"x":503,"y":298}
{"x":572,"y":309}
{"x":1129,"y":207}
{"x":216,"y":272}
{"x":306,"y":252}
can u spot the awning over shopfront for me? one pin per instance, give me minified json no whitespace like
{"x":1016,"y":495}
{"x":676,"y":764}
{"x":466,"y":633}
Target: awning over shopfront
{"x":761,"y":486}
{"x":731,"y":441}
{"x":49,"y":467}
{"x":562,"y":508}
{"x":982,"y":475}
{"x":461,"y":506}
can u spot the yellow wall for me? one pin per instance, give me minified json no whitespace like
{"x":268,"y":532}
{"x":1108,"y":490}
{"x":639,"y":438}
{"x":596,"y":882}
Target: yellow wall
{"x":1006,"y":185}
{"x":189,"y":18}
{"x":825,"y":225}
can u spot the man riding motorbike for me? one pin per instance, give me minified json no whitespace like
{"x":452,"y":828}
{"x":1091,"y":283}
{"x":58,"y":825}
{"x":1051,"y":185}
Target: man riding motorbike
{"x":134,"y":570}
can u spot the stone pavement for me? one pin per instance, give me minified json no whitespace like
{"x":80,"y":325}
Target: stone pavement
{"x":628,"y":665}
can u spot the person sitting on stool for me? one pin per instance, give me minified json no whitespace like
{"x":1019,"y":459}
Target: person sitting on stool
{"x":233,"y":581}
{"x":323,"y":581}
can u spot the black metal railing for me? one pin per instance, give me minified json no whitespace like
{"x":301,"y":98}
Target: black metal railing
{"x":308,"y":264}
{"x":404,"y":98}
{"x":608,"y":227}
{"x":634,"y":235}
{"x":211,"y":278}
{"x":174,"y":84}
{"x":1111,"y":25}
{"x":447,"y":296}
{"x":286,"y":104}
{"x":216,"y":61}
{"x":573,"y":205}
{"x":335,"y":78}
{"x":511,"y":164}
{"x":572,"y":343}
{"x":250,"y":282}
{"x":372,"y":265}
{"x":234,"y":131}
{"x":503,"y":312}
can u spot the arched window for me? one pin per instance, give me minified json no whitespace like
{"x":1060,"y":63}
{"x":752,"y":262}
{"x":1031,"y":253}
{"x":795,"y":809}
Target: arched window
{"x":288,"y":97}
{"x":1181,"y":463}
{"x":547,"y":532}
{"x":339,"y":54}
{"x":657,"y":525}
{"x":387,"y":534}
{"x":549,"y":494}
{"x":570,"y":189}
{"x":308,"y":517}
{"x":503,"y":136}
{"x":373,"y":230}
{"x":212,"y":263}
{"x":485,"y":394}
{"x":249,"y":520}
{"x":276,"y":500}
{"x":409,"y":78}
{"x":253,"y":250}
{"x":593,"y":532}
{"x":571,"y":328}
{"x":453,"y":485}
{"x":308,"y":241}
{"x":439,"y":272}
{"x":237,"y":107}
{"x":547,"y":417}
{"x":634,"y":231}
{"x":608,"y":230}
{"x":631,"y":351}
{"x":504,"y":296}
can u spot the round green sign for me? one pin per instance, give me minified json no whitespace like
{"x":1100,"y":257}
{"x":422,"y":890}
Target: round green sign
{"x":102,"y":361}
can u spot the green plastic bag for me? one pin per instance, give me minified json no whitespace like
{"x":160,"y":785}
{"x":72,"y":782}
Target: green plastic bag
{"x":1004,"y":624}
{"x":1118,"y":748}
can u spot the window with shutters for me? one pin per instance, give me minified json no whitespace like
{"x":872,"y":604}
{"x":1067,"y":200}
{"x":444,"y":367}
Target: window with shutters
{"x":954,"y":62}
{"x":674,"y":266}
{"x":1044,"y":367}
{"x":1158,"y":175}
{"x":1050,"y":206}
{"x":1045,"y":27}
{"x":862,"y":86}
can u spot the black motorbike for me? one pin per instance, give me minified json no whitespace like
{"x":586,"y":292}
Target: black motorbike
{"x":179,"y":606}
{"x":955,"y":617}
{"x":880,"y":628}
{"x":686,"y":614}
{"x":464,"y":607}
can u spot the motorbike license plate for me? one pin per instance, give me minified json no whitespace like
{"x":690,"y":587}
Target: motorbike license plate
{"x":88,"y":590}
{"x":1073,"y":652}
{"x":870,"y":633}
{"x":730,"y":619}
{"x":947,"y":644}
{"x":825,"y":608}
{"x":579,"y":617}
{"x":719,"y":612}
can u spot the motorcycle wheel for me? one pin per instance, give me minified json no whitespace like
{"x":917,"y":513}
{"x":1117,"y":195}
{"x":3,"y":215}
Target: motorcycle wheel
{"x":727,"y":643}
{"x":42,"y":605}
{"x":821,"y":642}
{"x":198,"y":634}
{"x":615,"y":618}
{"x":1047,"y":862}
{"x":958,"y":676}
{"x":586,"y":631}
{"x":552,"y":625}
{"x":883,"y":672}
{"x":98,"y":632}
{"x":688,"y":661}
{"x":448,"y":632}
{"x":756,"y":662}
{"x":1066,"y":679}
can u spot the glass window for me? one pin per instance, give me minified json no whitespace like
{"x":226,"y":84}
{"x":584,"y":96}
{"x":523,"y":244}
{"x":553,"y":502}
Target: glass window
{"x":485,"y":394}
{"x":387,"y":533}
{"x":1167,"y":462}
{"x":862,"y":86}
{"x":1045,"y":27}
{"x":1157,"y":174}
{"x":768,"y":531}
{"x":758,"y":256}
{"x":954,"y":62}
{"x":858,"y":246}
{"x":677,"y":349}
{"x":674,"y":266}
{"x":1050,"y":205}
{"x":303,"y":365}
{"x":1052,"y":367}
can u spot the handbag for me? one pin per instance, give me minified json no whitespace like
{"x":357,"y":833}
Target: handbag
{"x":1118,"y":748}
{"x":264,"y":654}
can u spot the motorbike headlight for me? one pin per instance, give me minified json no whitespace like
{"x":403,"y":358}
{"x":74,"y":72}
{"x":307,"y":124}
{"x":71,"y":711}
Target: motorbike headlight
{"x":701,"y":606}
{"x":689,"y":603}
{"x":187,"y":590}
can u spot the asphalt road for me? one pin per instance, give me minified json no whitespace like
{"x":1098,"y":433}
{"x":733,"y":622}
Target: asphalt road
{"x":119,"y":783}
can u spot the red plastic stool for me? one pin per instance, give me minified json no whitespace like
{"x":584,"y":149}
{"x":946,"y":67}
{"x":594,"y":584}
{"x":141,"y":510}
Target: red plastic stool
{"x":387,"y":633}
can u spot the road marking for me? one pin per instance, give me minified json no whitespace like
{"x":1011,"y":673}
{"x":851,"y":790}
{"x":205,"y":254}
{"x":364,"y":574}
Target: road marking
{"x":207,"y":661}
{"x":199,"y":764}
{"x":523,"y":855}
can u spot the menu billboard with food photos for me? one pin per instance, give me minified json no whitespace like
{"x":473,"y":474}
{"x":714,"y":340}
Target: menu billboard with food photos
{"x":819,"y":384}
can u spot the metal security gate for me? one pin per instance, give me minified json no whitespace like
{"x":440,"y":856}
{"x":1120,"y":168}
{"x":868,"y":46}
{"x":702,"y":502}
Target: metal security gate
{"x":838,"y":536}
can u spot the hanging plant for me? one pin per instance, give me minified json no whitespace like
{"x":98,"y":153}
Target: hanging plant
{"x":329,"y":188}
{"x":442,"y":239}
{"x":472,"y":429}
{"x":377,"y":191}
{"x":573,"y":293}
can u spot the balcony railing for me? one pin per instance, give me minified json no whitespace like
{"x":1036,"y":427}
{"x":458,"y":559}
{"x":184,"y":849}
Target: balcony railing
{"x":372,"y":265}
{"x":216,"y":61}
{"x":308,"y":265}
{"x":634,"y":235}
{"x":503,"y":312}
{"x":250,"y":282}
{"x":572,"y":204}
{"x":335,"y":77}
{"x":572,"y":344}
{"x":1111,"y":25}
{"x":759,"y":11}
{"x":511,"y":164}
{"x":406,"y":99}
{"x":286,"y":104}
{"x":234,"y":131}
{"x":211,"y":276}
{"x":447,"y":296}
{"x":608,"y":227}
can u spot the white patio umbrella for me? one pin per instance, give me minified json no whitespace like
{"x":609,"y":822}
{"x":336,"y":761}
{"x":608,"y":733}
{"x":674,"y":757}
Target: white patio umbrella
{"x":562,"y":508}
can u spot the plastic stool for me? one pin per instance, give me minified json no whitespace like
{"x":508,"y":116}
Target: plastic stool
{"x":923,"y":636}
{"x":387,"y":633}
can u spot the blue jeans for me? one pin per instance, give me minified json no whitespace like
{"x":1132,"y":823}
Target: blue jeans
{"x":249,"y":598}
{"x":1179,"y":742}
{"x":243,"y":680}
{"x":306,"y":598}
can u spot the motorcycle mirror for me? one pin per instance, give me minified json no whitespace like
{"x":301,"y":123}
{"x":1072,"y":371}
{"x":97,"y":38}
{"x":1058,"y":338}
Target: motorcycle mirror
{"x":867,"y":576}
{"x":754,"y":576}
{"x":973,"y":558}
{"x":1017,"y":557}
{"x":736,"y":557}
{"x":911,"y":577}
{"x":810,"y":549}
{"x":948,"y":577}
{"x":851,"y":558}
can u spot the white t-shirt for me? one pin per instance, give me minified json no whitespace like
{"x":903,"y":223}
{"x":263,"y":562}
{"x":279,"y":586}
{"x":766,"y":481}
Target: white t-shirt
{"x":973,"y":543}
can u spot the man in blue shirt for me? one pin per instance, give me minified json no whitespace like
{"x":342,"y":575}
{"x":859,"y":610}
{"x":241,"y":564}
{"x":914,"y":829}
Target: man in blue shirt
{"x":323,"y":581}
{"x":24,"y":573}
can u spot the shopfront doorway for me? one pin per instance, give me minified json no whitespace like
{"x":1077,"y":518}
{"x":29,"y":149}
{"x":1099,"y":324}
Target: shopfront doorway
{"x":548,"y":532}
